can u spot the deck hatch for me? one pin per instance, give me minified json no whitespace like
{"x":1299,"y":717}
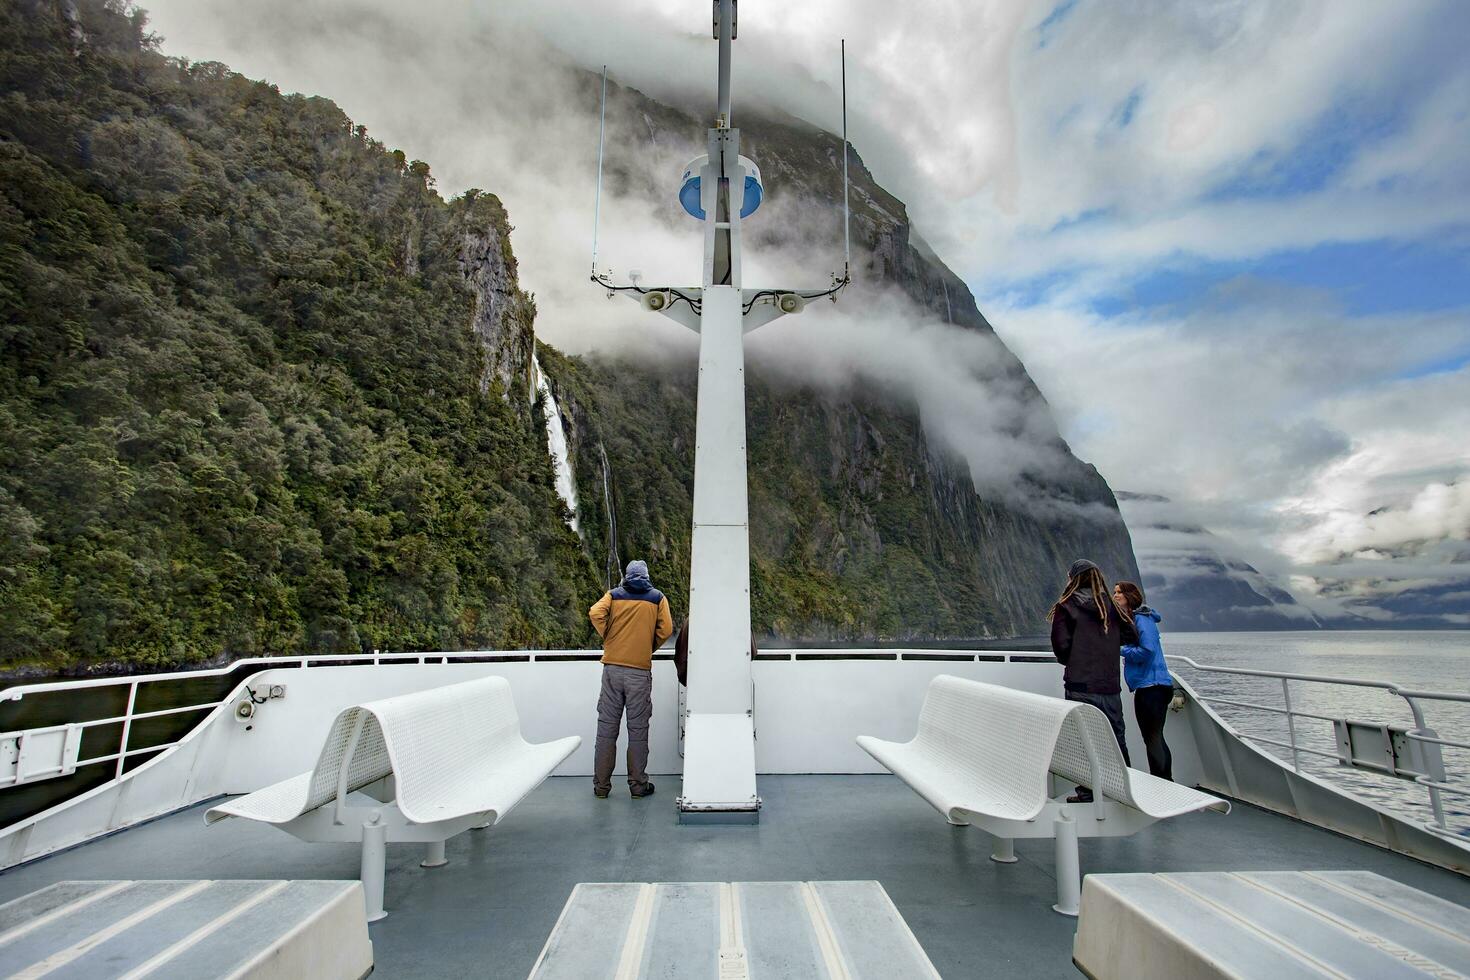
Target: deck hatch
{"x":838,"y":930}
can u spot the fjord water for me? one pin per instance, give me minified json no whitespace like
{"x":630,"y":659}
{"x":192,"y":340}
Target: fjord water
{"x":1426,"y":660}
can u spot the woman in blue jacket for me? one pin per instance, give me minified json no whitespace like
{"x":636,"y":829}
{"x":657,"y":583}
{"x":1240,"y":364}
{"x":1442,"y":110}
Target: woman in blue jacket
{"x":1148,"y":678}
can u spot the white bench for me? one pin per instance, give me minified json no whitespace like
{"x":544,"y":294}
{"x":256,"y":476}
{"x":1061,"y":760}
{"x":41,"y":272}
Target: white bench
{"x":984,"y":755}
{"x":433,"y":764}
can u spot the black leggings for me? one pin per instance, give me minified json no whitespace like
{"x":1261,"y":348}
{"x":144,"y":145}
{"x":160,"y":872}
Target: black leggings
{"x":1151,"y":708}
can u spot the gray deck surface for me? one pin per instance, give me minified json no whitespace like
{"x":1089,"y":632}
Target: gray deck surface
{"x":488,"y":912}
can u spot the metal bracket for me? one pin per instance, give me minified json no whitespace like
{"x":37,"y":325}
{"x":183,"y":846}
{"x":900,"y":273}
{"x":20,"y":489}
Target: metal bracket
{"x":1388,"y":749}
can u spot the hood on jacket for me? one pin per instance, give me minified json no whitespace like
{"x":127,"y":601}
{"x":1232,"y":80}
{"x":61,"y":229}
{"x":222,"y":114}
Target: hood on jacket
{"x":635,"y":579}
{"x":1083,"y":599}
{"x":1146,"y":610}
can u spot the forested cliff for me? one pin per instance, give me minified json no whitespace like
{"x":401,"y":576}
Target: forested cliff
{"x":263,"y":390}
{"x":243,"y":401}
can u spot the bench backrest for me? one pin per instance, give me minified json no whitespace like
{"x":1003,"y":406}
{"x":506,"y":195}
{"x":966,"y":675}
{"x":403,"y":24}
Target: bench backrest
{"x":999,"y":736}
{"x":424,"y":739}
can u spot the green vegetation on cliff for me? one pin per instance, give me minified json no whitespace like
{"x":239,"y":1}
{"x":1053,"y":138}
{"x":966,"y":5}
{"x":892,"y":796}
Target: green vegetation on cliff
{"x":240,"y":395}
{"x":263,"y":391}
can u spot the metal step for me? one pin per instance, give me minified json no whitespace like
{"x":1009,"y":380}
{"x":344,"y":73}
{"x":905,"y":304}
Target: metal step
{"x":187,"y":929}
{"x":1283,"y":924}
{"x":760,"y":930}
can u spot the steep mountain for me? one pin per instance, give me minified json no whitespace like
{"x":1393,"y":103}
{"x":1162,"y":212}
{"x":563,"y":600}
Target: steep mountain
{"x":1195,"y":583}
{"x":256,"y":373}
{"x":262,"y":390}
{"x":864,"y":523}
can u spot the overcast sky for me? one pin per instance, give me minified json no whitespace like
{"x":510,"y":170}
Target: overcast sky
{"x":1230,"y":239}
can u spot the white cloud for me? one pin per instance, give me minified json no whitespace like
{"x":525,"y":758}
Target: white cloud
{"x":1083,"y":156}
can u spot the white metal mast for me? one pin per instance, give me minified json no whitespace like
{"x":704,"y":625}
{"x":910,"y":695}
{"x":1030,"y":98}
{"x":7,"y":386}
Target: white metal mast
{"x":721,"y":188}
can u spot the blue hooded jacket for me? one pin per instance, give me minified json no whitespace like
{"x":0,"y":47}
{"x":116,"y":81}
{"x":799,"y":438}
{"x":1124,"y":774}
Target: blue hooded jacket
{"x":1143,"y":662}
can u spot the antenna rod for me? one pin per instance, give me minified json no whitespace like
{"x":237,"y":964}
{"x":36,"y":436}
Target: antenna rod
{"x":597,"y":207}
{"x":727,"y":34}
{"x":846,"y":210}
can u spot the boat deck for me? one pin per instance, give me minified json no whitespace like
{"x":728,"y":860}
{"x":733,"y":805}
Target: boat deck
{"x":488,"y":912}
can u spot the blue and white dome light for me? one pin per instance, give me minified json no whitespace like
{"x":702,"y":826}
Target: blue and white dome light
{"x":689,"y":187}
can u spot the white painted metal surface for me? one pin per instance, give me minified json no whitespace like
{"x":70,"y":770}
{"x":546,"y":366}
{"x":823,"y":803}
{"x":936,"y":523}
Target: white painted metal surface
{"x":428,"y":766}
{"x":808,"y":710}
{"x":1416,"y":753}
{"x":1229,"y":762}
{"x":985,"y":755}
{"x":719,"y":757}
{"x":764,"y":930}
{"x":261,"y":930}
{"x":1267,"y":924}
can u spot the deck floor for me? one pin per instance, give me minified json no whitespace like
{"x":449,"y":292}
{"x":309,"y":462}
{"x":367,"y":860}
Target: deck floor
{"x":488,"y":912}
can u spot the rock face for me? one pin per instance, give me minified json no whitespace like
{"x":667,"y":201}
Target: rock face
{"x":504,"y":318}
{"x":864,"y":524}
{"x":1195,"y":584}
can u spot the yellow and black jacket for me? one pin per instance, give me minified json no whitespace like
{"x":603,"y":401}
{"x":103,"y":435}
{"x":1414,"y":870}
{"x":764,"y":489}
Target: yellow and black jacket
{"x":633,"y":622}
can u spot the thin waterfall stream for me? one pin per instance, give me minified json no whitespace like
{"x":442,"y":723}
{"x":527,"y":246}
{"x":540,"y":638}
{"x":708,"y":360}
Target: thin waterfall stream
{"x":556,"y":441}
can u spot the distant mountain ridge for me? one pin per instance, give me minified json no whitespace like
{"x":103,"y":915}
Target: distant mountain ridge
{"x":1197,"y":586}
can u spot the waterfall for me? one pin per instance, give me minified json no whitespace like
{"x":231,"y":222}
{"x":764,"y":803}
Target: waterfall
{"x":556,"y":441}
{"x":614,"y":570}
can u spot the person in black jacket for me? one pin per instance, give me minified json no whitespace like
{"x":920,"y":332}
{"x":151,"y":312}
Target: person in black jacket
{"x":1088,"y":631}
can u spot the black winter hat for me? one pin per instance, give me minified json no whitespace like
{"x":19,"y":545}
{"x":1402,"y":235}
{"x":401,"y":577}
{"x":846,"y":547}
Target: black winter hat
{"x":1079,"y":566}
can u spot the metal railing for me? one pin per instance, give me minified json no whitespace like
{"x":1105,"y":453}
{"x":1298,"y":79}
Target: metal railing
{"x":1421,"y":733}
{"x":135,"y":683}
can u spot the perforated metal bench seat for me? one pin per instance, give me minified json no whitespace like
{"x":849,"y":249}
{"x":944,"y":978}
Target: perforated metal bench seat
{"x":985,"y":755}
{"x":1279,"y":924}
{"x":421,"y":767}
{"x":190,"y":930}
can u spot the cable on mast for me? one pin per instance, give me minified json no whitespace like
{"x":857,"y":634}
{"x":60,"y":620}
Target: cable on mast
{"x":846,"y":209}
{"x":597,"y":205}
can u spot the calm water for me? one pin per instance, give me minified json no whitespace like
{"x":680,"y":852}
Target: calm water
{"x":1425,"y":660}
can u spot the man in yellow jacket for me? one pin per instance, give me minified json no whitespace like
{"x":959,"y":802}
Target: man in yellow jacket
{"x":633,"y":621}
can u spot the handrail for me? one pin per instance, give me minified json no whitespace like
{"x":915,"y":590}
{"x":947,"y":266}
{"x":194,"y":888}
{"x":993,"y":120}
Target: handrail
{"x":1421,"y":733}
{"x":18,"y":691}
{"x":124,"y":751}
{"x":1389,"y":686}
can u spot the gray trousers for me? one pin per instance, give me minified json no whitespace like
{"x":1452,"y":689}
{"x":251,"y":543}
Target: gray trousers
{"x":630,"y":689}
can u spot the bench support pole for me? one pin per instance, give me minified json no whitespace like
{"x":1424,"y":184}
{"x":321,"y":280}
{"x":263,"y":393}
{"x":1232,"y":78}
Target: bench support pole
{"x":1003,"y":850}
{"x":374,"y":866}
{"x":1069,"y":866}
{"x":434,"y":855}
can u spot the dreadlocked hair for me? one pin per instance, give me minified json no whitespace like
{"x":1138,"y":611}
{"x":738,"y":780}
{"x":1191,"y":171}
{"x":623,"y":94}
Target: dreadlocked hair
{"x":1091,"y":580}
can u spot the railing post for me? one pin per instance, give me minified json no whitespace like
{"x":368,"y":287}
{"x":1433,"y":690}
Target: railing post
{"x":122,"y":749}
{"x":1296,"y":759}
{"x":1436,"y":804}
